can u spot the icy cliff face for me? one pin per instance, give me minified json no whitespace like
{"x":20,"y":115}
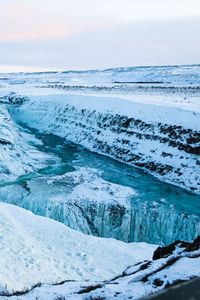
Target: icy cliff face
{"x":162,"y":140}
{"x":94,"y":206}
{"x":16,"y":156}
{"x":39,"y":250}
{"x":79,"y":199}
{"x":82,"y":199}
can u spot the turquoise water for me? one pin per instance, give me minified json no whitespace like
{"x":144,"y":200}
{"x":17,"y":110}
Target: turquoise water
{"x":148,"y":187}
{"x":160,"y":213}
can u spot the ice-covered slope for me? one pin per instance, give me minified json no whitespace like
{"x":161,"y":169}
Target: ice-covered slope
{"x":35,"y":249}
{"x":171,"y":265}
{"x":162,"y":139}
{"x":16,"y":156}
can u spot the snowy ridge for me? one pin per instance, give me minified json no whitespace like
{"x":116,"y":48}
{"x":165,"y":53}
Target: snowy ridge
{"x":162,"y":140}
{"x":39,"y":250}
{"x":171,"y":265}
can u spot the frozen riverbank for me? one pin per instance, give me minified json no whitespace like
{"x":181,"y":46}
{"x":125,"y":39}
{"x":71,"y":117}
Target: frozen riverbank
{"x":16,"y":156}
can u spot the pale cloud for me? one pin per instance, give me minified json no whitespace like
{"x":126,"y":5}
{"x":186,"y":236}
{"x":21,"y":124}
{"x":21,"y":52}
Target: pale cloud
{"x":121,"y":10}
{"x":16,"y":68}
{"x":36,"y":33}
{"x":63,"y":34}
{"x":32,"y":19}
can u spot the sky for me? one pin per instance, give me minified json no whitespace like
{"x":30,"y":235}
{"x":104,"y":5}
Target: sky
{"x":38,"y":35}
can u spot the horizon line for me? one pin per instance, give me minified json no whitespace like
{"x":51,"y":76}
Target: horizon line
{"x":40,"y":71}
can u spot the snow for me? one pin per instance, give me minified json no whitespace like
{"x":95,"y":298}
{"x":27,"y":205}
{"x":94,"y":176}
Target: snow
{"x":17,"y":157}
{"x":142,"y":279}
{"x":168,"y":75}
{"x":147,"y":108}
{"x":97,"y":124}
{"x":88,"y":108}
{"x":147,"y":117}
{"x":39,"y":250}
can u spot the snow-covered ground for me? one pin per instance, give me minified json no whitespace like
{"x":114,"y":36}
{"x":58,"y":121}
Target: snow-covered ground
{"x":39,"y":250}
{"x":168,"y":75}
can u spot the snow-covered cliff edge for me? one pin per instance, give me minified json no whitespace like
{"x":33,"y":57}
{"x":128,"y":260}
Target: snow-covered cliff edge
{"x":16,"y":156}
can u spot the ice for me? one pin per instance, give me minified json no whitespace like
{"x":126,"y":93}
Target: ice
{"x":80,"y":199}
{"x":146,"y":117}
{"x":84,"y":201}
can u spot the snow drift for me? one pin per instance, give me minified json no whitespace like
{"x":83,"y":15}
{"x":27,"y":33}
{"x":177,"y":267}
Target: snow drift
{"x":170,"y":265}
{"x":39,"y":250}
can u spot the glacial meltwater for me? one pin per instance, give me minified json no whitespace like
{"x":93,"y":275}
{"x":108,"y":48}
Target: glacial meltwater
{"x":100,"y":196}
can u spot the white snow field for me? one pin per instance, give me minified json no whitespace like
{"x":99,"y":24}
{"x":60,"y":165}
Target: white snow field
{"x":35,"y":250}
{"x":16,"y":156}
{"x":176,"y":264}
